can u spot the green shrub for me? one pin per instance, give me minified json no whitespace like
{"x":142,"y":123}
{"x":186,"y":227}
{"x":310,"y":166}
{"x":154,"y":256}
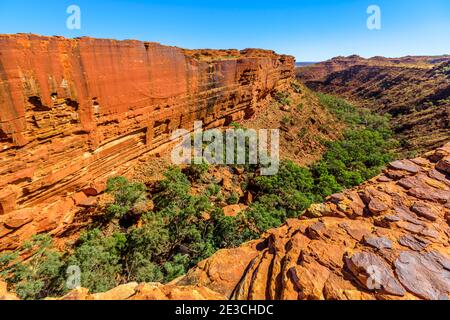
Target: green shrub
{"x":360,"y":155}
{"x":146,"y":249}
{"x":283,"y":98}
{"x":195,"y":171}
{"x":286,"y":121}
{"x":174,"y":189}
{"x":213,"y":190}
{"x":236,"y":125}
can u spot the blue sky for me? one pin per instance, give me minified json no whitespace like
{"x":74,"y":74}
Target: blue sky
{"x":311,"y":30}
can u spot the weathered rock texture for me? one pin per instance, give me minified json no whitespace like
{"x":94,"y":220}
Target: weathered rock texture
{"x":76,"y":111}
{"x":415,"y":90}
{"x":387,"y":239}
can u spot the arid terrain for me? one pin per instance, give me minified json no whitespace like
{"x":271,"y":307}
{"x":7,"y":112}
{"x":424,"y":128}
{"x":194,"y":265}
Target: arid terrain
{"x":86,"y":177}
{"x":414,"y":90}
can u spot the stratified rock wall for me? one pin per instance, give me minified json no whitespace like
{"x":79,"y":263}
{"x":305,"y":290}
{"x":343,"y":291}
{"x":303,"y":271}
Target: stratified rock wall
{"x":76,"y":111}
{"x":387,"y":239}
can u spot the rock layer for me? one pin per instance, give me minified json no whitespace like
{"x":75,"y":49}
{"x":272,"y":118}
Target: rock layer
{"x":76,"y":111}
{"x":346,"y":248}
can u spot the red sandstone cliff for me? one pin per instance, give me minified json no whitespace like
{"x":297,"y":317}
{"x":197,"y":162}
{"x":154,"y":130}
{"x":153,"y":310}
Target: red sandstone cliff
{"x":75,"y":111}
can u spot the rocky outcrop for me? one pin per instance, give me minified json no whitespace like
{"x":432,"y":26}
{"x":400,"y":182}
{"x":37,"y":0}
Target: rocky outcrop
{"x":76,"y":111}
{"x":320,"y":71}
{"x":388,"y":239}
{"x":414,"y":90}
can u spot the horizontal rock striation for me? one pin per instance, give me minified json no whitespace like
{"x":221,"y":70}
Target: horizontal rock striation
{"x":76,"y":111}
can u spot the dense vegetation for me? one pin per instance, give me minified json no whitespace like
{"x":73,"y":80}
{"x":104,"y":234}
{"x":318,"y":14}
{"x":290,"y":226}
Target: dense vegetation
{"x":160,"y":243}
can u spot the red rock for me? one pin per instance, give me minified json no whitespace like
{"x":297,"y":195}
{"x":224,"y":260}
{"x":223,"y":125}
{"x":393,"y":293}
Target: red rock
{"x":424,"y":274}
{"x":355,"y":232}
{"x":8,"y":198}
{"x":440,"y":153}
{"x":413,"y":242}
{"x":89,"y":202}
{"x":374,"y":273}
{"x":430,"y":194}
{"x":439,"y":176}
{"x":77,"y":294}
{"x":316,"y":230}
{"x":79,"y":197}
{"x":377,"y":206}
{"x":231,"y":210}
{"x":425,"y":211}
{"x":378,"y":242}
{"x":405,"y":165}
{"x":421,"y":162}
{"x":384,"y":179}
{"x":122,"y":292}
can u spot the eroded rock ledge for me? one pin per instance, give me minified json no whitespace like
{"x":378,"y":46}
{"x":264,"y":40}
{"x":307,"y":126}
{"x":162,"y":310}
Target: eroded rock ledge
{"x":387,"y":239}
{"x":75,"y":111}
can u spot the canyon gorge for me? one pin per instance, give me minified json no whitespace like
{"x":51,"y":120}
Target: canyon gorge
{"x":77,"y":111}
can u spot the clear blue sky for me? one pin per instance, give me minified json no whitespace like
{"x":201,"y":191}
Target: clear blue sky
{"x":311,"y":30}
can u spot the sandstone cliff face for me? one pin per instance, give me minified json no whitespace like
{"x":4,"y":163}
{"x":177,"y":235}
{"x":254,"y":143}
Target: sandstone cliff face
{"x":76,"y":111}
{"x":415,"y":90}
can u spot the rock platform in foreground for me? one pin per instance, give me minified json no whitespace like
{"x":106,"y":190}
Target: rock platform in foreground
{"x":387,"y":239}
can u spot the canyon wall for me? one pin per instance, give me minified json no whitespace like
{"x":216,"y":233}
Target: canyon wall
{"x":74,"y":112}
